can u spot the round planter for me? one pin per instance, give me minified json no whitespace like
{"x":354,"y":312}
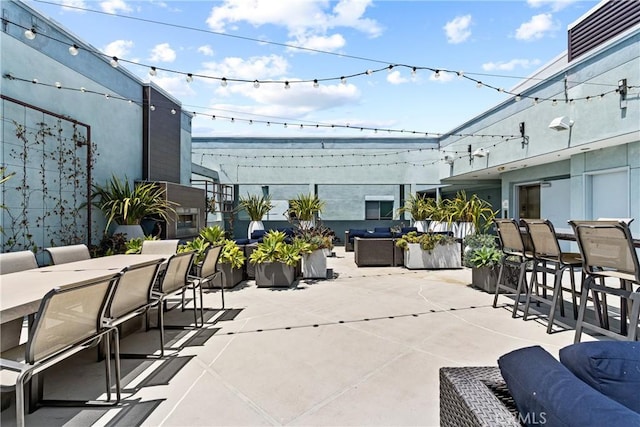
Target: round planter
{"x":253,"y":226}
{"x":130,"y":231}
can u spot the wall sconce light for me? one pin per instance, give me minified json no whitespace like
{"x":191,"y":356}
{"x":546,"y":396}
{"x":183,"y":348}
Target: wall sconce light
{"x":622,"y":90}
{"x":481,"y":152}
{"x":265,"y":190}
{"x":561,"y":123}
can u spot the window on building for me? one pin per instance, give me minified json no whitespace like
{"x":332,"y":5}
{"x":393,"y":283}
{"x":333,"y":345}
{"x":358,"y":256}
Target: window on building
{"x":378,"y":209}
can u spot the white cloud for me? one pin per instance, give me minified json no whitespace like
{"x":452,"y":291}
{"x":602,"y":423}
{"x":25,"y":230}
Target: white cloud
{"x":119,"y":48}
{"x":306,"y":21}
{"x":458,"y":30}
{"x":206,"y":50}
{"x":302,"y":98}
{"x":256,"y":67}
{"x":317,"y":42}
{"x":510,"y":65}
{"x":174,"y":84}
{"x":537,"y":27}
{"x":74,"y":5}
{"x":395,"y":78}
{"x":555,"y":5}
{"x":162,"y":53}
{"x":115,"y":6}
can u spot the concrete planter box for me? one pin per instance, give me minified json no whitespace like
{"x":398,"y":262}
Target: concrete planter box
{"x":485,"y":278}
{"x":228,"y":277}
{"x":314,"y":265}
{"x":442,"y":256}
{"x":274,"y":274}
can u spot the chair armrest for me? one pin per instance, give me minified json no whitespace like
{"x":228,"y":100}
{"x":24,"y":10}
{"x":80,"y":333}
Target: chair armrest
{"x":11,"y":365}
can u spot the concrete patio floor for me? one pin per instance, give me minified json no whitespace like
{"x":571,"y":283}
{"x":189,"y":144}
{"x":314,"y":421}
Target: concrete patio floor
{"x":361,"y":349}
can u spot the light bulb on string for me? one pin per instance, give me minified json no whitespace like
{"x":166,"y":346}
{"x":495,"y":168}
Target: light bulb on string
{"x":414,"y":71}
{"x":34,"y":81}
{"x":389,"y":68}
{"x":153,"y":72}
{"x":114,"y":62}
{"x":368,"y":72}
{"x":189,"y":78}
{"x":58,"y":85}
{"x":233,"y":120}
{"x":554,"y":102}
{"x":213,"y":117}
{"x":223,"y":82}
{"x":173,"y":111}
{"x":518,"y":98}
{"x":268,"y":124}
{"x":82,"y":89}
{"x":315,"y":83}
{"x":152,"y":108}
{"x":437,"y":74}
{"x":460,"y":74}
{"x":343,"y":80}
{"x":73,"y":50}
{"x":285,"y":125}
{"x":286,"y":85}
{"x":30,"y":33}
{"x":535,"y":101}
{"x":256,"y":84}
{"x":479,"y":85}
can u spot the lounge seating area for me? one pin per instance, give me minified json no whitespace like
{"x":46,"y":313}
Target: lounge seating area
{"x":410,"y":323}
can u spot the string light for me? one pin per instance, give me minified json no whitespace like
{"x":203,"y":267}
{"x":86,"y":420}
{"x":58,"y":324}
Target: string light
{"x":173,"y":111}
{"x":152,"y":108}
{"x":368,"y":72}
{"x":315,"y":83}
{"x":73,"y":50}
{"x":286,"y":85}
{"x":343,"y":80}
{"x":223,"y":82}
{"x":554,"y":102}
{"x":114,"y":62}
{"x":256,"y":84}
{"x":414,"y":71}
{"x":153,"y":72}
{"x":517,"y":98}
{"x":83,"y":90}
{"x":189,"y":78}
{"x":479,"y":84}
{"x":437,"y":74}
{"x":34,"y":81}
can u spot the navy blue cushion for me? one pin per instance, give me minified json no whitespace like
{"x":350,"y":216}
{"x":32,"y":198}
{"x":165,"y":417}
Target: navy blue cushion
{"x":242,"y":241}
{"x":258,"y":234}
{"x":354,"y":232}
{"x":286,"y":230}
{"x":382,"y":230}
{"x":547,"y":393}
{"x":611,"y":367}
{"x":407,"y":230}
{"x":377,"y":235}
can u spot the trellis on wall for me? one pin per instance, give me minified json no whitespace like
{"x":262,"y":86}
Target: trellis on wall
{"x":45,"y":202}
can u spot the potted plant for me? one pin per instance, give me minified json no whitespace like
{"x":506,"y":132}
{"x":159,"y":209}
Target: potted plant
{"x":256,"y":207}
{"x":126,"y":205}
{"x":419,"y":208}
{"x":439,"y":213}
{"x":230,"y":265}
{"x":198,"y":246}
{"x":483,"y":256}
{"x":314,"y":243}
{"x":275,"y":260}
{"x":429,"y":250}
{"x":305,"y":209}
{"x":469,"y":214}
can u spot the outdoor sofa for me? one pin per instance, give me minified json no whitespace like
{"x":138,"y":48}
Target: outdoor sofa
{"x":382,"y":251}
{"x":377,"y":233}
{"x":593,"y":384}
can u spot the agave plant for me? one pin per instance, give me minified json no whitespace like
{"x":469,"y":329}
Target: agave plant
{"x":213,"y":234}
{"x":127,"y":204}
{"x":198,"y":246}
{"x":232,"y":254}
{"x":256,"y":206}
{"x":274,"y":249}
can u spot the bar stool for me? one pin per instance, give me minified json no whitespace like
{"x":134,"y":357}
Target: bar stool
{"x":515,"y":254}
{"x":608,"y":253}
{"x":549,"y":259}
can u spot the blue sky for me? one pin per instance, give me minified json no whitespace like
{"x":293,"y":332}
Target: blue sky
{"x":497,"y":42}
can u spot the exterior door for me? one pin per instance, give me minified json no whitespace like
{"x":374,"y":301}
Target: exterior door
{"x":529,"y":201}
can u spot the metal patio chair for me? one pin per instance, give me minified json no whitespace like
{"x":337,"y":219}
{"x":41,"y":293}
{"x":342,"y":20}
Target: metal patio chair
{"x":70,"y":253}
{"x":609,"y":255}
{"x":68,"y":321}
{"x":206,"y":271}
{"x":549,"y":259}
{"x":132,"y":295}
{"x":515,"y":254}
{"x":160,"y":247}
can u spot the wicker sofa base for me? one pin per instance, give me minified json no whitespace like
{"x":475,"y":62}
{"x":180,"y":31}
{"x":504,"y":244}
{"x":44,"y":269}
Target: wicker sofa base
{"x":475,"y":396}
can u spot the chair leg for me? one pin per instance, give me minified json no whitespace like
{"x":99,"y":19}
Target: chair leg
{"x":498,"y":285}
{"x":586,"y":285}
{"x":557,"y":292}
{"x":532,"y":284}
{"x":20,"y":401}
{"x":161,"y":327}
{"x":521,"y":281}
{"x":573,"y":293}
{"x":634,"y":316}
{"x":116,"y":361}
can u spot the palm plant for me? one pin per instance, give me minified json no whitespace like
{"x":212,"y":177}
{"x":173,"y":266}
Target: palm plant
{"x":472,"y":209}
{"x":256,"y":206}
{"x":125,"y":204}
{"x":418,"y":207}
